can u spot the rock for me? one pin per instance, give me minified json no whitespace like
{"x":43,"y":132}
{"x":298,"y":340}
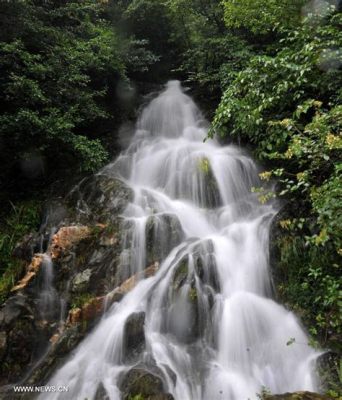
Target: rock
{"x":139,"y":381}
{"x":328,"y":366}
{"x":297,"y":396}
{"x":191,"y":295}
{"x":163,"y":233}
{"x":81,"y":280}
{"x":31,"y":271}
{"x":3,"y":344}
{"x":67,"y":237}
{"x":95,"y":307}
{"x":55,"y":213}
{"x":13,"y":308}
{"x":101,"y":393}
{"x":180,"y":275}
{"x":210,"y":196}
{"x":61,"y":346}
{"x":91,"y":310}
{"x":27,"y":246}
{"x":23,"y":337}
{"x":134,"y":336}
{"x":74,"y":316}
{"x":100,"y":198}
{"x":131,"y":282}
{"x":85,"y":254}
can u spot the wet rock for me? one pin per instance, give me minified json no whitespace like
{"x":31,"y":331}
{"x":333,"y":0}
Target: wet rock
{"x":23,"y":336}
{"x":55,"y":213}
{"x":74,"y":316}
{"x":181,"y":274}
{"x":100,"y":198}
{"x":80,"y":281}
{"x":328,"y":366}
{"x":210,"y":197}
{"x":31,"y":271}
{"x":172,"y":375}
{"x":3,"y":344}
{"x":28,"y":246}
{"x":131,"y":282}
{"x":101,"y":393}
{"x":134,"y":336}
{"x":297,"y":396}
{"x":85,"y":254}
{"x":163,"y":233}
{"x":139,"y":381}
{"x":67,"y":237}
{"x":60,"y":348}
{"x":88,"y":312}
{"x":191,"y":295}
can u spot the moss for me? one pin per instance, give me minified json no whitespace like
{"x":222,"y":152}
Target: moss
{"x":96,"y":231}
{"x":180,"y":274}
{"x":192,"y":294}
{"x":204,"y":166}
{"x":80,"y":300}
{"x":80,"y":261}
{"x":136,"y":397}
{"x":111,"y":228}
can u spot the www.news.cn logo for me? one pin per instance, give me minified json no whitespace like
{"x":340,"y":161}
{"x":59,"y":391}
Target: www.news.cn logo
{"x":40,"y":389}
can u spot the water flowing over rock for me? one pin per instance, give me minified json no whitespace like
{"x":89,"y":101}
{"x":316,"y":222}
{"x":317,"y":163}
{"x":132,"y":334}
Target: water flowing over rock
{"x":39,"y":324}
{"x":161,"y":269}
{"x":203,"y":325}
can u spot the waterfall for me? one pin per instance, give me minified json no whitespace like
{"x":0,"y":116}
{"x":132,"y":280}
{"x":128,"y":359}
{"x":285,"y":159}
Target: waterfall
{"x":211,"y":326}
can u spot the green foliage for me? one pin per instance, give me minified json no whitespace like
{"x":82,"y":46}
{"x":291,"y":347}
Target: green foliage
{"x":60,"y":64}
{"x":80,"y":300}
{"x":287,"y":105}
{"x":22,"y":219}
{"x":212,"y":62}
{"x":262,"y":16}
{"x":48,"y":86}
{"x":136,"y":397}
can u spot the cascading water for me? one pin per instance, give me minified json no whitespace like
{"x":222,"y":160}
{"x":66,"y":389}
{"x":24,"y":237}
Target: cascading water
{"x":49,"y":302}
{"x":211,"y":327}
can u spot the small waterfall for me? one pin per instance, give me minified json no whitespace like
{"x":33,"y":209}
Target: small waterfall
{"x":49,"y":302}
{"x":211,"y":326}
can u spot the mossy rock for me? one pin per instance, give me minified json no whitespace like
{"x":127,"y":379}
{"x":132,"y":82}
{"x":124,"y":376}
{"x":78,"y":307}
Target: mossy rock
{"x":328,"y":367}
{"x":181,"y":274}
{"x":141,"y":383}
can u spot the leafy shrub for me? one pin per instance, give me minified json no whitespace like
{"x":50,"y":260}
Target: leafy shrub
{"x":23,"y":218}
{"x":287,"y":105}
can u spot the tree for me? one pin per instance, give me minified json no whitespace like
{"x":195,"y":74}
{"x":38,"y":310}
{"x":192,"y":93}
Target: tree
{"x":262,"y":16}
{"x":60,"y":64}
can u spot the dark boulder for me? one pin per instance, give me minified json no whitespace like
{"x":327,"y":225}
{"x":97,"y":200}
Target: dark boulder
{"x":139,"y":381}
{"x":163,"y":233}
{"x":134,"y":336}
{"x":100,"y":198}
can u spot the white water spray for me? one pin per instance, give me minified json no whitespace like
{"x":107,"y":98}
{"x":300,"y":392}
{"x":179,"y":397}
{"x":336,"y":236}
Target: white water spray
{"x":211,"y":326}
